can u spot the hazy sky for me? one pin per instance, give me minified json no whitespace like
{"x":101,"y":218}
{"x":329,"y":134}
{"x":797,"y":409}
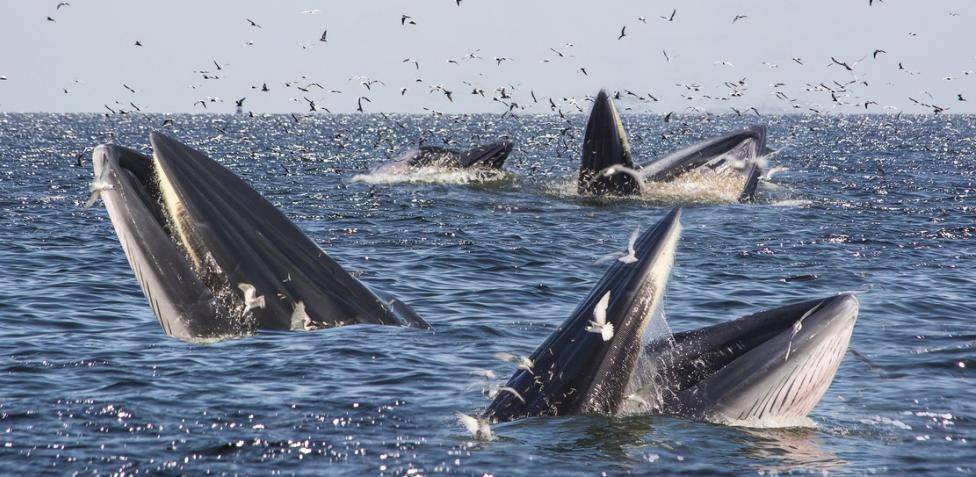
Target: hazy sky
{"x":90,"y":50}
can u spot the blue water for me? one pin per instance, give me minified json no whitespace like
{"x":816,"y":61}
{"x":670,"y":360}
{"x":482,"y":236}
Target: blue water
{"x":879,"y":205}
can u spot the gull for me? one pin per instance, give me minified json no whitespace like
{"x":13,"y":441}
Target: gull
{"x":251,"y":298}
{"x":359,"y":103}
{"x":485,"y":373}
{"x":62,"y":4}
{"x":128,"y":87}
{"x":642,"y":19}
{"x":521,"y":362}
{"x":299,"y":317}
{"x":671,"y":18}
{"x":50,"y":19}
{"x":138,"y":43}
{"x":624,"y":257}
{"x":739,"y":17}
{"x":478,"y":428}
{"x":311,"y":12}
{"x":798,"y":60}
{"x":416,"y":63}
{"x":623,"y":32}
{"x":324,"y":33}
{"x":875,"y":54}
{"x":494,"y":389}
{"x":99,"y":185}
{"x":666,"y":57}
{"x":959,"y":97}
{"x":619,"y":169}
{"x":599,"y":322}
{"x":844,"y":64}
{"x":404,"y":18}
{"x":583,"y":70}
{"x":252,"y":23}
{"x":500,"y":59}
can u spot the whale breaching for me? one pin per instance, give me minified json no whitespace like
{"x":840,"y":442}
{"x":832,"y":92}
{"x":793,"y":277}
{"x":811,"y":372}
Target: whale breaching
{"x":488,"y":156}
{"x":767,"y":369}
{"x":607,"y":167}
{"x":215,"y":259}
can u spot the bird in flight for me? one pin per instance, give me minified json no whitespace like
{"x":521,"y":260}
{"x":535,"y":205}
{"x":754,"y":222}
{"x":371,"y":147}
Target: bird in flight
{"x":252,"y":23}
{"x":599,"y":323}
{"x":478,"y":428}
{"x":404,"y":18}
{"x":875,"y":54}
{"x":324,"y":33}
{"x":251,"y":298}
{"x":623,"y":32}
{"x":521,"y":362}
{"x":739,"y":17}
{"x":845,"y":65}
{"x":671,"y":18}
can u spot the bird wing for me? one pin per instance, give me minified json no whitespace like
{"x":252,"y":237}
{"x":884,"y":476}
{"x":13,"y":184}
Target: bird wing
{"x":600,"y":311}
{"x":469,"y":423}
{"x":632,"y":241}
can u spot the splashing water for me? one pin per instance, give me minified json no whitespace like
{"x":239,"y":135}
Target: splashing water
{"x":700,"y":188}
{"x":435,"y":175}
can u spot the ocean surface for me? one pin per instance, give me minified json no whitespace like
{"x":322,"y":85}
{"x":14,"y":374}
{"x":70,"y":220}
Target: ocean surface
{"x":883,"y":206}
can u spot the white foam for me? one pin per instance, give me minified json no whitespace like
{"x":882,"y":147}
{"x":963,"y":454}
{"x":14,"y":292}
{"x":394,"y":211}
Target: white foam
{"x":433,"y":175}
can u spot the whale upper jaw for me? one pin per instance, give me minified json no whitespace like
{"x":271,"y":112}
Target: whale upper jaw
{"x":605,"y":145}
{"x":196,"y":236}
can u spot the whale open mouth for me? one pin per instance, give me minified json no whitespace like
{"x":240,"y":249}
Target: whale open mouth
{"x":766,"y":369}
{"x":608,"y":168}
{"x":216,"y":259}
{"x":488,"y":156}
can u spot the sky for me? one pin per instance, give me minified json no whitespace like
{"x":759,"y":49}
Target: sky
{"x":89,"y":51}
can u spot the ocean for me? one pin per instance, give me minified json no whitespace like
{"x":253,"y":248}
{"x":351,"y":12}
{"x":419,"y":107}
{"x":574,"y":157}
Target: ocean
{"x":882,"y":206}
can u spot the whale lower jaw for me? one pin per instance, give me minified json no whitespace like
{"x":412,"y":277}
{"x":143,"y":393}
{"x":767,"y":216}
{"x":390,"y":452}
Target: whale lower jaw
{"x":769,"y":369}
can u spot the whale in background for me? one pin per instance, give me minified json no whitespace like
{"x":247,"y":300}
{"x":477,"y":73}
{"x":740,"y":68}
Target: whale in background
{"x":215,"y":259}
{"x":607,"y":167}
{"x":766,"y":369}
{"x":489,"y":156}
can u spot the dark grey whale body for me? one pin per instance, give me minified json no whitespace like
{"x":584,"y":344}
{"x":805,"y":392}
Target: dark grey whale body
{"x":767,"y":367}
{"x":216,"y":259}
{"x":488,"y":156}
{"x":607,"y":168}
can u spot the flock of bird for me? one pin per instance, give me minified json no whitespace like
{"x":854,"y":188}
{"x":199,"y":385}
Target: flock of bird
{"x":511,"y":100}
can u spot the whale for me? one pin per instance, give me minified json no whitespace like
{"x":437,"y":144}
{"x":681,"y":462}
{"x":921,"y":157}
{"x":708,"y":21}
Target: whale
{"x":770,"y":368}
{"x":215,"y":259}
{"x":489,"y":156}
{"x":608,"y":168}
